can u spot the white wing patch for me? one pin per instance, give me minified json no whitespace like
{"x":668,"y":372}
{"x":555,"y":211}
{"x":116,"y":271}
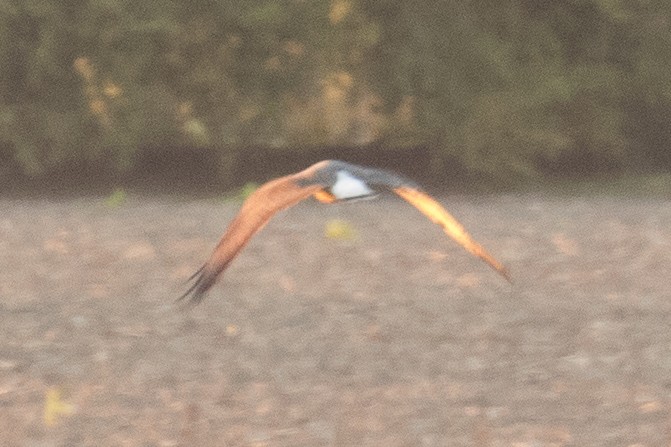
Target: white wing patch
{"x":348,"y":187}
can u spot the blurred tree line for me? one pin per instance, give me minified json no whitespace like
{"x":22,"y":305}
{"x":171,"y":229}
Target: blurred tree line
{"x":503,"y":88}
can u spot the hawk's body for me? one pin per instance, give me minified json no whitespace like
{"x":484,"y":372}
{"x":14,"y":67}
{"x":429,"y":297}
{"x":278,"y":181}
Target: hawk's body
{"x":328,"y":181}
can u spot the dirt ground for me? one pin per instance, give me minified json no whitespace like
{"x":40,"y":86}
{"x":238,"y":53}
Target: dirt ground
{"x":392,"y":337}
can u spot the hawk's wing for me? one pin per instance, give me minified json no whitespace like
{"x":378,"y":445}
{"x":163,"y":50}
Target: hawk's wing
{"x":255,"y":213}
{"x":439,"y":215}
{"x":412,"y":193}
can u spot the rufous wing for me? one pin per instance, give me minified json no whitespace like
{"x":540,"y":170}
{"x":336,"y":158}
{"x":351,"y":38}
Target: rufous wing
{"x":255,"y":213}
{"x":439,"y":215}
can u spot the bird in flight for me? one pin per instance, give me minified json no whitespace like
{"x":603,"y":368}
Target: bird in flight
{"x":328,"y":181}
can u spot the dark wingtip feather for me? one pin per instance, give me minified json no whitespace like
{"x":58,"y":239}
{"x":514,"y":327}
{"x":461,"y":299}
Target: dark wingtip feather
{"x":196,"y":292}
{"x":506,"y":274}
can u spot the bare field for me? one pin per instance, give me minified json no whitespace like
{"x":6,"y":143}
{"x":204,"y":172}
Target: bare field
{"x":395,"y":337}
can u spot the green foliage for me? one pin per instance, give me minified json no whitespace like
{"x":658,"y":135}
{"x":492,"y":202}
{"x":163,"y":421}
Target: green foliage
{"x":495,"y":85}
{"x":242,"y":193}
{"x":247,"y":190}
{"x":116,"y":199}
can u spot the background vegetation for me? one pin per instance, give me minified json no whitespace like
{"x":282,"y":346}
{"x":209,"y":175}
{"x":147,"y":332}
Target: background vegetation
{"x":500,"y":88}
